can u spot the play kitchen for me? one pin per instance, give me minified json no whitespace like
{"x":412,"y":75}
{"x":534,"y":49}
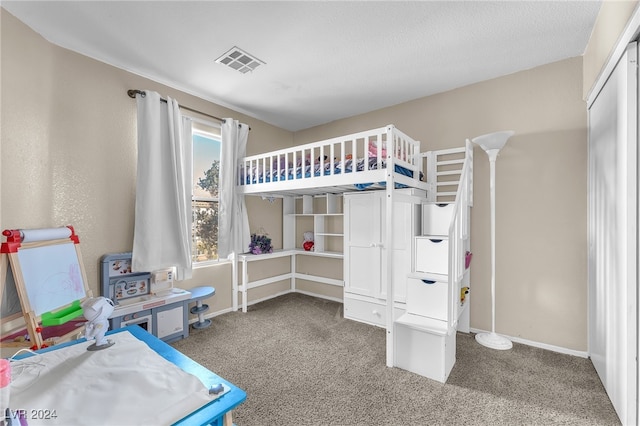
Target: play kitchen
{"x":146,"y":299}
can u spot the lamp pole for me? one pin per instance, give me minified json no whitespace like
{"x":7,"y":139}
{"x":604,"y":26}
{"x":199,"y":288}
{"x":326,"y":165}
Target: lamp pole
{"x":492,"y":143}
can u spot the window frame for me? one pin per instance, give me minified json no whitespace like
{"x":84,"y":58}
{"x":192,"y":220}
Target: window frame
{"x":217,"y":137}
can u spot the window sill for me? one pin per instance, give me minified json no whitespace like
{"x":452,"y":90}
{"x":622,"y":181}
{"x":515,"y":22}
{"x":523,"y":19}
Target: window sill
{"x":209,"y":263}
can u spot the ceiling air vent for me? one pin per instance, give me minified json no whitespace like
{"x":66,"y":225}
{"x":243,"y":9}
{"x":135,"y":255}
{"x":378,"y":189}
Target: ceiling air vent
{"x":240,"y":60}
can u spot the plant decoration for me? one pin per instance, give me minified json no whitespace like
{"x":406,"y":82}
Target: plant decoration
{"x":260,"y":243}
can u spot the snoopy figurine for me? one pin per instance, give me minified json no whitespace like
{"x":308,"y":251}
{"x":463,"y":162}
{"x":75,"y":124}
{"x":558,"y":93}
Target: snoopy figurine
{"x":97,"y":311}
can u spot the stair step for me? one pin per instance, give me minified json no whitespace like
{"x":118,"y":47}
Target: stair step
{"x":422,"y":323}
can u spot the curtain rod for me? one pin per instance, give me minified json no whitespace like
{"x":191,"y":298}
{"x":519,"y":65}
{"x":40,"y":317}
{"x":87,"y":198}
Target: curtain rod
{"x":133,"y":92}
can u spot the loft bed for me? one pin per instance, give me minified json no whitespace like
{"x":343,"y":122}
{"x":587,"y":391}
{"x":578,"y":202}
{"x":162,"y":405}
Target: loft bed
{"x":358,"y":162}
{"x":349,"y":163}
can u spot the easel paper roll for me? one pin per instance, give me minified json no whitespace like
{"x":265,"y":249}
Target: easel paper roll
{"x":31,"y":235}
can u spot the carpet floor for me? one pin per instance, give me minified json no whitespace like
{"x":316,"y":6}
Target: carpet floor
{"x":302,"y":363}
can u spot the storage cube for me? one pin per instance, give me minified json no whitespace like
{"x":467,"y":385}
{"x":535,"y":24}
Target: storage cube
{"x":424,"y":346}
{"x":436,"y":218}
{"x":432,"y":255}
{"x":427,"y":298}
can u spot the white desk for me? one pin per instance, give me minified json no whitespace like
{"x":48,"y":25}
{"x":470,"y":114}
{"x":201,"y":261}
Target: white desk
{"x":292,"y":275}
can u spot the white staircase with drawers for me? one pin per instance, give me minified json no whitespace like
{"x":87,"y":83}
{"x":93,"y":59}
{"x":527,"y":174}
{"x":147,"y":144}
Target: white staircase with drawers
{"x":437,"y":301}
{"x":429,"y":239}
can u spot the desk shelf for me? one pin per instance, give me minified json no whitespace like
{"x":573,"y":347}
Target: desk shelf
{"x":246,"y":284}
{"x":321,"y":214}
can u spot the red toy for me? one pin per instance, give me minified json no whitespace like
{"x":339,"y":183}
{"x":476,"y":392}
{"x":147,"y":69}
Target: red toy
{"x":307,"y":243}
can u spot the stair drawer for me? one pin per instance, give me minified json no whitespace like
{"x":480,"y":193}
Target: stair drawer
{"x":365,"y":311}
{"x":427,"y":298}
{"x":432,"y":255}
{"x":436,"y":218}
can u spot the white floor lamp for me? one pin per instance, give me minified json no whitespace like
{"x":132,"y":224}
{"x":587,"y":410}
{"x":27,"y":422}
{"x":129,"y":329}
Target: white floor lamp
{"x":492,"y":143}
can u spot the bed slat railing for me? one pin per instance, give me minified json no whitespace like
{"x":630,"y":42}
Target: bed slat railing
{"x":364,"y":151}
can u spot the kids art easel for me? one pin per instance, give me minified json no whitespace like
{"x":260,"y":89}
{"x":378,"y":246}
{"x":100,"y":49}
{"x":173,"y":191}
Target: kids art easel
{"x":44,"y":269}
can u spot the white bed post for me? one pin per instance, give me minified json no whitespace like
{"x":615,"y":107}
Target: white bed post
{"x":288,"y":236}
{"x":387,"y":258}
{"x":234,"y":282}
{"x":469,"y":156}
{"x":432,"y":176}
{"x":288,"y":222}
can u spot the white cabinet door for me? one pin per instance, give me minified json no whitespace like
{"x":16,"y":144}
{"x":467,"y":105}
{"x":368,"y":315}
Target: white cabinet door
{"x":362,"y":219}
{"x":405,"y":225}
{"x":364,"y":216}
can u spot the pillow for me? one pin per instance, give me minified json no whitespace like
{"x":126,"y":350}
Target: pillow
{"x":374,"y":145}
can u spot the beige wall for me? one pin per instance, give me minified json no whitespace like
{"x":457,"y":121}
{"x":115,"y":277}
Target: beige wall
{"x":611,"y":21}
{"x":541,"y":183}
{"x":69,"y":150}
{"x":541,"y":193}
{"x":68,"y":157}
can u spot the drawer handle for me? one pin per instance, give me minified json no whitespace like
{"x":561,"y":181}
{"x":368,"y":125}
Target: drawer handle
{"x":435,"y":241}
{"x":428,"y":281}
{"x":376,"y":313}
{"x":442,"y":205}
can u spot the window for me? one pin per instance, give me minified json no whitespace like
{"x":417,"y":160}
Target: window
{"x":205,"y":201}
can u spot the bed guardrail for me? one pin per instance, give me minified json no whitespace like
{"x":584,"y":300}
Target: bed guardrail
{"x":358,"y":152}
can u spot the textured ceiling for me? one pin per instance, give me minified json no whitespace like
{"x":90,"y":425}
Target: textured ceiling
{"x":324,"y":60}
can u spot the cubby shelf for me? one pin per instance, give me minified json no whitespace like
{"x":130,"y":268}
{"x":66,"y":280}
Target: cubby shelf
{"x":326,"y":212}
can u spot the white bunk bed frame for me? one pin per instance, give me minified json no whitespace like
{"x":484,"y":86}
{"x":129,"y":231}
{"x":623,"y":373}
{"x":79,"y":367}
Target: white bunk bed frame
{"x":404,"y":152}
{"x":452,"y":184}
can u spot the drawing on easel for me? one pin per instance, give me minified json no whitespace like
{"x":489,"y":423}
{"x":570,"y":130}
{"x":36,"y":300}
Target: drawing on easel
{"x":52,"y":276}
{"x":43,"y":270}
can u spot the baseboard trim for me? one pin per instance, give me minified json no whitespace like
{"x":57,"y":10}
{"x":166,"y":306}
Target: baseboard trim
{"x":211,"y":314}
{"x":319,"y":296}
{"x":553,"y":348}
{"x":253,"y":302}
{"x":559,"y":349}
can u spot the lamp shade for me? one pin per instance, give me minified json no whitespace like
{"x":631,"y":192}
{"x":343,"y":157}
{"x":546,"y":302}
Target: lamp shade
{"x":493,"y":141}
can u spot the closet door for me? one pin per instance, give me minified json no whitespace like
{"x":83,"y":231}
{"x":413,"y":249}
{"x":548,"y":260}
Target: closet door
{"x":362,"y":239}
{"x":613,"y":235}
